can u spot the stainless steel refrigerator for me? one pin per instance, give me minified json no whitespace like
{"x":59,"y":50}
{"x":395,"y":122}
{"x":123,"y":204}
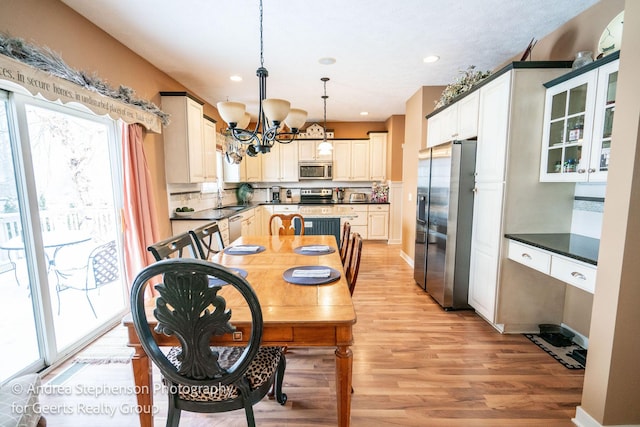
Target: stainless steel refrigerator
{"x":444,"y":219}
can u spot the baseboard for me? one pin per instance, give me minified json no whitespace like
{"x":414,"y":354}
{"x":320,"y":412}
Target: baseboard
{"x":406,"y":258}
{"x":583,"y":419}
{"x":394,"y":241}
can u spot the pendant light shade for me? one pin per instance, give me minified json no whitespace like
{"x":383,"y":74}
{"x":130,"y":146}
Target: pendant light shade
{"x":296,"y":118}
{"x":246,"y":119}
{"x":231,"y":112}
{"x":276,"y":110}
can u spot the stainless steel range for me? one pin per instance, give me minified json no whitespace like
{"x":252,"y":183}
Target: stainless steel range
{"x":316,"y":195}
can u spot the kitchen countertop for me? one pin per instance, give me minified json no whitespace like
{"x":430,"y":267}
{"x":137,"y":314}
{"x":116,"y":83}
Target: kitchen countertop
{"x":214,"y":214}
{"x":574,"y":246}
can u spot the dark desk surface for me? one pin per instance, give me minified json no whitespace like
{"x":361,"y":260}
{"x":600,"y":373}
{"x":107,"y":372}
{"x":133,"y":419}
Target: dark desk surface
{"x":574,"y":246}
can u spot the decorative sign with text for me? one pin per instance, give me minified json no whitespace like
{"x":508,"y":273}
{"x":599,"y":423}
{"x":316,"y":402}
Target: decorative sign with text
{"x":54,"y":88}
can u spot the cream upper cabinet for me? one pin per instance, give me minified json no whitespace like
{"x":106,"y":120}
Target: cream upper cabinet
{"x":281,"y":163}
{"x":578,"y":123}
{"x":183,"y":138}
{"x":210,"y":137}
{"x":308,"y":151}
{"x":456,"y":122}
{"x":377,"y":156}
{"x":351,"y":160}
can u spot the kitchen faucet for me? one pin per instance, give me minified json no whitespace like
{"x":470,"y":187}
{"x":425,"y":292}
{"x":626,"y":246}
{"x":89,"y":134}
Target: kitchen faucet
{"x":219,"y":199}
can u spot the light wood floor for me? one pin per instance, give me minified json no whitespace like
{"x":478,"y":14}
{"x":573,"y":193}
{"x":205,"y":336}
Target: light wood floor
{"x":414,"y":365}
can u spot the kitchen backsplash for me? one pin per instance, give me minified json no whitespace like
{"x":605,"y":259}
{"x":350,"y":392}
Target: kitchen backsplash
{"x":588,"y":206}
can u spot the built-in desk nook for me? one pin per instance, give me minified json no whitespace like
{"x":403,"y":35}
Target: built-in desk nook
{"x":568,"y":257}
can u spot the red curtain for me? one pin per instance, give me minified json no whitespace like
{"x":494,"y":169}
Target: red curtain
{"x":140,"y":223}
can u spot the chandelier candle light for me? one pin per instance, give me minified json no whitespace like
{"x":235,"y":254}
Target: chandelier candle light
{"x":273,"y":114}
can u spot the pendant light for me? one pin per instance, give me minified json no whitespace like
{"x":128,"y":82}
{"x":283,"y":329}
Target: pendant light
{"x":272,"y":115}
{"x":325,"y":147}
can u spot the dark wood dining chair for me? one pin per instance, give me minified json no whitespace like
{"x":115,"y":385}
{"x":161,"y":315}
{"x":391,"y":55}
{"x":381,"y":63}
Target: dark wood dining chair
{"x":286,"y":224}
{"x":344,"y":241}
{"x":208,"y":240}
{"x":179,"y":246}
{"x":353,"y":266}
{"x":200,"y":378}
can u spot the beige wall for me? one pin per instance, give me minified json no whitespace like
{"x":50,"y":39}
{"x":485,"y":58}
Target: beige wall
{"x":611,"y":391}
{"x":417,"y":107}
{"x":395,"y":125}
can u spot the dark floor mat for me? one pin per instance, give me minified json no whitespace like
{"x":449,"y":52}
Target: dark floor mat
{"x":563,"y":354}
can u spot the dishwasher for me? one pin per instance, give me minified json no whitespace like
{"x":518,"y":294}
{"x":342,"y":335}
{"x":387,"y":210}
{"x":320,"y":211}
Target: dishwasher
{"x":235,"y":228}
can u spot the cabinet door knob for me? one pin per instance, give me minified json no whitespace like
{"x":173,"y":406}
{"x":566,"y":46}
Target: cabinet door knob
{"x":592,"y":170}
{"x":581,"y":171}
{"x":475,"y":189}
{"x":526,"y":256}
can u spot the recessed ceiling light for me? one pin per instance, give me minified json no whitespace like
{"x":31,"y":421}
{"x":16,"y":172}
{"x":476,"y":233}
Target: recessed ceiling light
{"x":235,"y":78}
{"x":364,"y":113}
{"x":327,"y":61}
{"x":431,"y":58}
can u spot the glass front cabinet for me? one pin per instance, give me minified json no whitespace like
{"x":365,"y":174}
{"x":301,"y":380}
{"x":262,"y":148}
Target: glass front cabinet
{"x":579,"y":111}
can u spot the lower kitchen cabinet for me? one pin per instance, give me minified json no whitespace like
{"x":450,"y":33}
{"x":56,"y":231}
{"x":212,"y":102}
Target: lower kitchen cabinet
{"x":357,"y":216}
{"x":378,"y":222}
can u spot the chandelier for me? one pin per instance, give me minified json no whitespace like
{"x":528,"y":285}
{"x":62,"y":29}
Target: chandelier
{"x":325,"y":146}
{"x":273,"y":114}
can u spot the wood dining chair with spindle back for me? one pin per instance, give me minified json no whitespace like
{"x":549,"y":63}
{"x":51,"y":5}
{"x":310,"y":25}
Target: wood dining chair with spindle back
{"x":353,"y":266}
{"x":178,"y":246}
{"x":344,"y":241}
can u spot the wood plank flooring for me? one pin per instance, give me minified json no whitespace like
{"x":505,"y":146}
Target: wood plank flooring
{"x":414,"y":365}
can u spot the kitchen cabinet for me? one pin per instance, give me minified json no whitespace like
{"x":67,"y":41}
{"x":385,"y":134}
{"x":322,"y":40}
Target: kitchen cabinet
{"x":280,"y":164}
{"x":248,"y":170}
{"x":263,"y":216}
{"x":378,"y":222}
{"x":457,"y":121}
{"x":357,"y":216}
{"x":571,"y":271}
{"x":184,"y":150}
{"x":351,"y":160}
{"x":249,"y":227}
{"x":579,"y":112}
{"x":183,"y":226}
{"x":508,"y":196}
{"x":210,"y":137}
{"x":308,"y":151}
{"x":377,"y":156}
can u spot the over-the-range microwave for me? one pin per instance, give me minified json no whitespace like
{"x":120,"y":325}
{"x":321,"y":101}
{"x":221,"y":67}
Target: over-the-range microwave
{"x":315,"y":170}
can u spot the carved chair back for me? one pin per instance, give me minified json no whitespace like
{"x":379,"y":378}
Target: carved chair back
{"x":192,"y":311}
{"x":286,"y":224}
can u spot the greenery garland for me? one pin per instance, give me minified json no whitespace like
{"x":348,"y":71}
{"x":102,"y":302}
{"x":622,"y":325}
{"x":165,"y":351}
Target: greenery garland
{"x":464,"y":83}
{"x":48,"y":61}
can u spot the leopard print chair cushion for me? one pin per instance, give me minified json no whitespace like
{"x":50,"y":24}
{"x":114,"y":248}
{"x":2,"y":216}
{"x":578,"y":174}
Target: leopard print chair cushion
{"x":261,"y":369}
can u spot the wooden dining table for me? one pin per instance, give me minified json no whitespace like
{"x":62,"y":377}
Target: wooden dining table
{"x":294,"y":315}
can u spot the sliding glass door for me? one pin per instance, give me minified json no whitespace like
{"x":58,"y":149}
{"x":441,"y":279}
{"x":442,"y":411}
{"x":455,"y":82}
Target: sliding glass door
{"x":61,"y":238}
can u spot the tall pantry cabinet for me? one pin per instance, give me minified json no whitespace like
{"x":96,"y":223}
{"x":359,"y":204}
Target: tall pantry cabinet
{"x":509,"y":199}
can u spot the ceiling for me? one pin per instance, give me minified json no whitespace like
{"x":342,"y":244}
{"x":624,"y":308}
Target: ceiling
{"x":378,"y":45}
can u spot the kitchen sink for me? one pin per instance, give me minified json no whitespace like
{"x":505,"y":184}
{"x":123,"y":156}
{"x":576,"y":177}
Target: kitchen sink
{"x":225,"y":212}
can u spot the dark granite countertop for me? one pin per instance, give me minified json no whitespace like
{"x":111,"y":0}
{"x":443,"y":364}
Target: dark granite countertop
{"x":574,"y":246}
{"x":213,"y":214}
